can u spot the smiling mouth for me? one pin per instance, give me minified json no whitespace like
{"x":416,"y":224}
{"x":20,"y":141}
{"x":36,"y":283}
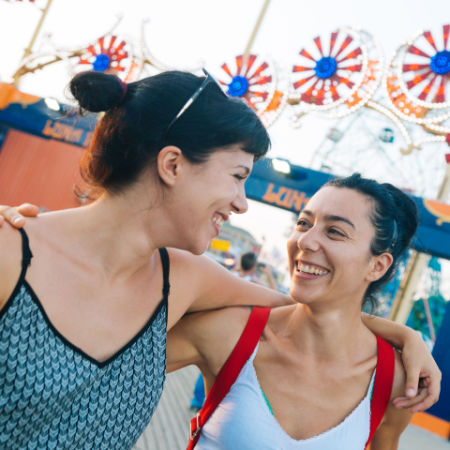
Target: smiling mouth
{"x":310,"y":269}
{"x":218,"y":221}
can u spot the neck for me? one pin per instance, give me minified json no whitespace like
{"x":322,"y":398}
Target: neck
{"x":116,"y":235}
{"x":329,"y":332}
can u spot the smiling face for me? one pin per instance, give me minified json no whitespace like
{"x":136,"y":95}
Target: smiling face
{"x":329,"y":250}
{"x":206,"y":194}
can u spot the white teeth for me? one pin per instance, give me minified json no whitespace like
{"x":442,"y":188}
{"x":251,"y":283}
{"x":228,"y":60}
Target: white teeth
{"x":313,"y":270}
{"x":218,"y":221}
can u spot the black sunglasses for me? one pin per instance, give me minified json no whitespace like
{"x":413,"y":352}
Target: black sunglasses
{"x":209,"y":78}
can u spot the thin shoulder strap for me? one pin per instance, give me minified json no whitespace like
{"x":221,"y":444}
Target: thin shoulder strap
{"x":230,"y":370}
{"x":165,"y":260}
{"x":26,"y":253}
{"x":382,"y":388}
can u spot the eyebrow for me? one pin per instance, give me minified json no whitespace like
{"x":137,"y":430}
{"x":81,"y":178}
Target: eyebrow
{"x":331,"y":218}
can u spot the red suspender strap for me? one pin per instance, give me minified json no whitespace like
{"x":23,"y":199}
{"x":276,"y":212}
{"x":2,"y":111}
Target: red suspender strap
{"x":382,"y":388}
{"x":230,"y":370}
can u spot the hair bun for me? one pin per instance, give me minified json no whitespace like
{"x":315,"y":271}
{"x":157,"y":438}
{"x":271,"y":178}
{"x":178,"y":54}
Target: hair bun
{"x":405,"y":213}
{"x":97,"y":91}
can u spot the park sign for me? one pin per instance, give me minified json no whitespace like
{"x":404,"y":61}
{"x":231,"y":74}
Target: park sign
{"x":46,"y":118}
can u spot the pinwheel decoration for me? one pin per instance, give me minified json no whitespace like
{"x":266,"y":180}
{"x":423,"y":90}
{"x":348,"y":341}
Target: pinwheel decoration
{"x":108,"y":54}
{"x":337,"y":74}
{"x":329,"y":73}
{"x":254,"y":81}
{"x":418,"y":82}
{"x":425,"y":72}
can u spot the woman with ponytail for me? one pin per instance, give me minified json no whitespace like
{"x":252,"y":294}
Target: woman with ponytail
{"x":309,"y":376}
{"x":87,"y":295}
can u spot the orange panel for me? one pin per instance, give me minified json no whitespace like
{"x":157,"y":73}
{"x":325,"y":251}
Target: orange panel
{"x":432,"y":423}
{"x":39,"y":171}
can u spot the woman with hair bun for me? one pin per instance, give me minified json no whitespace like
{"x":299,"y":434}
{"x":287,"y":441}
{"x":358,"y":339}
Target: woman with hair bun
{"x":311,"y":375}
{"x":87,"y":295}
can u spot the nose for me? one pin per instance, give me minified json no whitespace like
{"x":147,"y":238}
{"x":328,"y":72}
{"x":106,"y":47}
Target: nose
{"x":240,"y":204}
{"x":308,"y":240}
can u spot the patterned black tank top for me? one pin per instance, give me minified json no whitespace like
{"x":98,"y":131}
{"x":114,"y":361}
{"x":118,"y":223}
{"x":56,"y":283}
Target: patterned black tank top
{"x":54,"y":396}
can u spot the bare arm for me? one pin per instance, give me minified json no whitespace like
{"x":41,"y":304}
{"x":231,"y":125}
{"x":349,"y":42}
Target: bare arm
{"x":388,"y":434}
{"x":423,"y":377}
{"x":200,"y":284}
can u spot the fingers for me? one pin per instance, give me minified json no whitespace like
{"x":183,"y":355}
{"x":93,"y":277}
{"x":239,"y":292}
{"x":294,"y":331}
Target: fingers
{"x":433,"y":390}
{"x":412,"y":381}
{"x":11,"y":216}
{"x":427,"y":396}
{"x":406,"y":402}
{"x":28,"y":210}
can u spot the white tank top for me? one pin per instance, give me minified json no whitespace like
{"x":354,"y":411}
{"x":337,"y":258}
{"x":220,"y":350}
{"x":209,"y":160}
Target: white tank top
{"x":243,"y":421}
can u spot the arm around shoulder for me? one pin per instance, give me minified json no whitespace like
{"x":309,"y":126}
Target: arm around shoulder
{"x":205,"y":339}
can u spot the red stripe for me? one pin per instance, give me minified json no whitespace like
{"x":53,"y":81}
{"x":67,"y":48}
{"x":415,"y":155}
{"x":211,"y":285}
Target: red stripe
{"x":446,"y":32}
{"x":318,"y":43}
{"x":333,"y":41}
{"x":306,"y":54}
{"x":418,"y":79}
{"x":440,"y":94}
{"x":382,"y":388}
{"x":250,"y":61}
{"x":414,"y":67}
{"x":239,"y":64}
{"x":429,"y":37}
{"x":231,"y":369}
{"x":344,"y":45}
{"x":416,"y":51}
{"x":301,"y":68}
{"x":260,"y":69}
{"x":426,"y":90}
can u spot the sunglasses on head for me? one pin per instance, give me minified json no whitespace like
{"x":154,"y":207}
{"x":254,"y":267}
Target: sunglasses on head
{"x":209,"y":79}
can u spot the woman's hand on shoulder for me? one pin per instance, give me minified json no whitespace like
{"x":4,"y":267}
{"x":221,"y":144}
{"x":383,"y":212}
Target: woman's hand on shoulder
{"x":423,"y":377}
{"x":15,"y":216}
{"x":10,"y":261}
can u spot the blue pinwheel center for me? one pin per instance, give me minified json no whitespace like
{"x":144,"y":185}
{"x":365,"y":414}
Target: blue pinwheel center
{"x":440,"y":62}
{"x":238,"y":86}
{"x":325,"y":67}
{"x":101,"y":62}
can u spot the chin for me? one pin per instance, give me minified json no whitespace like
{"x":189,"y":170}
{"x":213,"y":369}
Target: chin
{"x":198,"y":248}
{"x":298,"y":295}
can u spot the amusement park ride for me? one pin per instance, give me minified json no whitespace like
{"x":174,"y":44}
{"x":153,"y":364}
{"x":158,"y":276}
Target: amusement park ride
{"x":342,"y":76}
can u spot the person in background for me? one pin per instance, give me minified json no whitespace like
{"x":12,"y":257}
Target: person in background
{"x":248,"y":270}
